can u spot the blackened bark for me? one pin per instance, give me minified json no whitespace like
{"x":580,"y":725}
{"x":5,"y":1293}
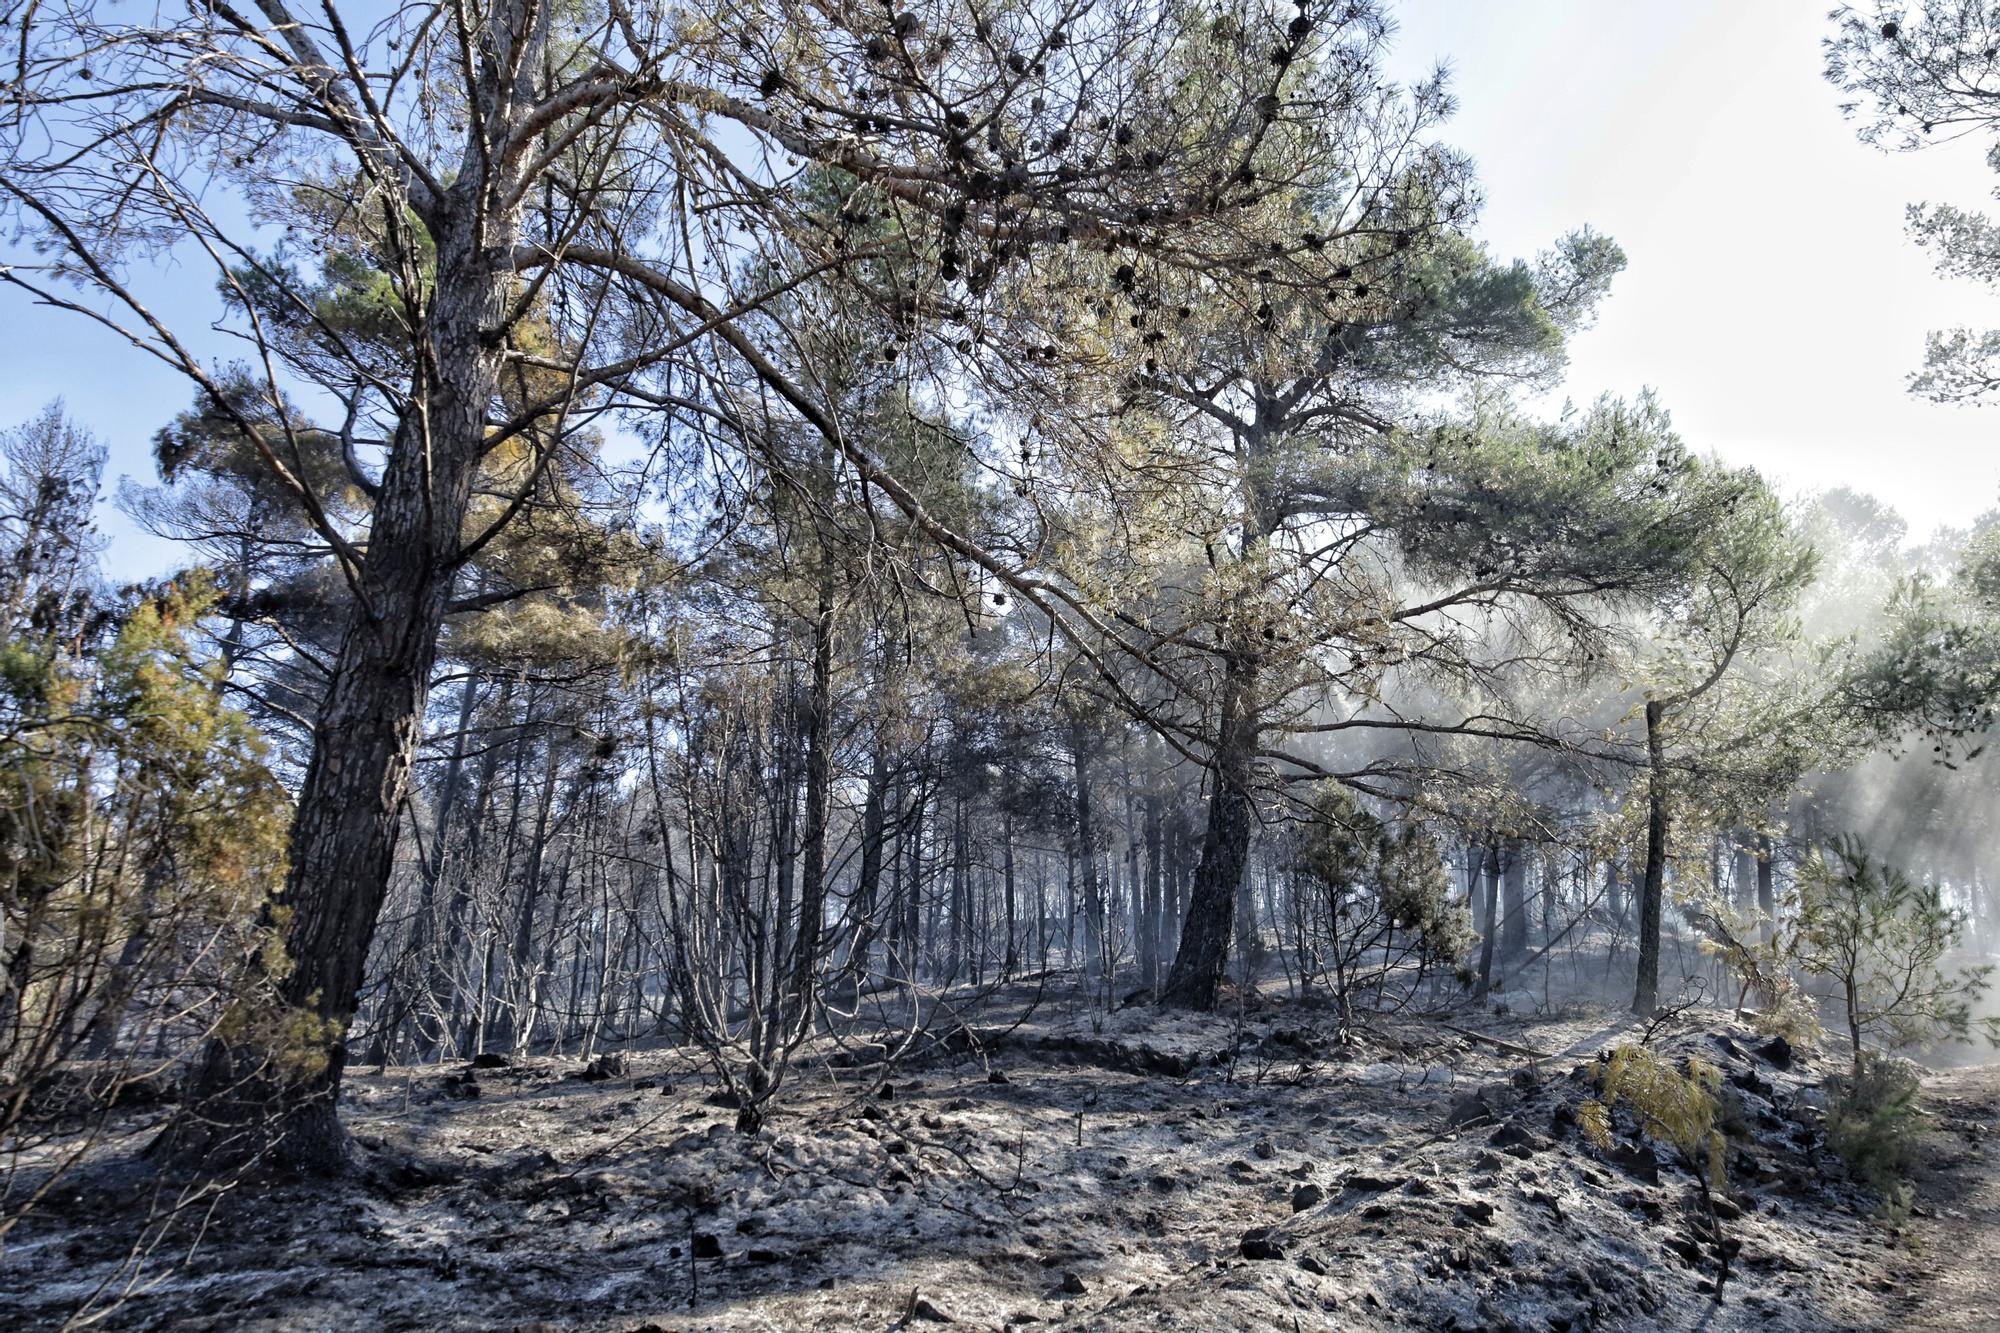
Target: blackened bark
{"x":1149,"y":921}
{"x":910,"y":909}
{"x":1201,"y":961}
{"x":958,"y":936}
{"x":1488,"y":932}
{"x":1767,"y":896}
{"x":868,"y":878}
{"x":1086,"y":849}
{"x":1180,"y":844}
{"x":1011,"y":960}
{"x":1646,"y":996}
{"x":819,"y":799}
{"x":1195,"y":981}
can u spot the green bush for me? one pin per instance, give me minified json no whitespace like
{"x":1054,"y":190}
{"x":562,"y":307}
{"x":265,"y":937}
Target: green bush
{"x":1872,"y":1124}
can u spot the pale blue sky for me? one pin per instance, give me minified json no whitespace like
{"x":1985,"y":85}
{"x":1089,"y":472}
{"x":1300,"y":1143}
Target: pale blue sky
{"x":1773,"y":299}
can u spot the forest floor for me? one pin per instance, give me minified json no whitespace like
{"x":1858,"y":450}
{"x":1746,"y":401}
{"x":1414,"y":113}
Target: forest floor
{"x":1074,"y":1170}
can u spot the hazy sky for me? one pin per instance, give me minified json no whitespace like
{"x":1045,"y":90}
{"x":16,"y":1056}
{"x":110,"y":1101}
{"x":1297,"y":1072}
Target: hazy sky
{"x":1773,"y":299}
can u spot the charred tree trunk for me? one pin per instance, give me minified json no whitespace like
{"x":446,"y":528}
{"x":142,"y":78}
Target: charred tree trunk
{"x":1086,"y":850}
{"x":1489,"y":926}
{"x":1767,"y":895}
{"x":958,"y":934}
{"x":1202,"y":960}
{"x":868,"y":878}
{"x":819,"y":800}
{"x":1149,"y":920}
{"x":909,"y":908}
{"x":1646,"y":996}
{"x":1010,"y":961}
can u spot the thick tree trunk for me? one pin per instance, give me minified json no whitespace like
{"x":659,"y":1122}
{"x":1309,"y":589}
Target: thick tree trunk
{"x":280,"y":1095}
{"x":1195,"y":980}
{"x":1201,"y":961}
{"x":1646,"y":996}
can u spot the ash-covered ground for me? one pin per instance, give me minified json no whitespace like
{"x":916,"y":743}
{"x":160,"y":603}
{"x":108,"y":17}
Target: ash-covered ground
{"x":1071,"y":1170}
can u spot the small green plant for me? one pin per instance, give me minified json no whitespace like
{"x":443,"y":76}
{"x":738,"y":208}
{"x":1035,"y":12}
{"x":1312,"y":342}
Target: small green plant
{"x":1882,"y":940}
{"x":1678,"y":1107}
{"x":1872,"y":1124}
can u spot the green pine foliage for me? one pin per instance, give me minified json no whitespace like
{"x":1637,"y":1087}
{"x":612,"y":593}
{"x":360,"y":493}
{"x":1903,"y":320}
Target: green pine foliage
{"x":1884,"y":943}
{"x":1872,"y":1124}
{"x":142,"y":831}
{"x":1679,"y":1106}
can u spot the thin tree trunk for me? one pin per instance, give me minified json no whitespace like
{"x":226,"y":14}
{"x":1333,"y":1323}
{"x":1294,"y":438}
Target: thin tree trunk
{"x":1011,"y":960}
{"x":1149,"y":921}
{"x":819,"y":798}
{"x":868,"y":878}
{"x":1488,"y":931}
{"x":397,"y":1002}
{"x":1086,"y":849}
{"x":1646,"y":996}
{"x":1767,"y":896}
{"x":1513,"y":899}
